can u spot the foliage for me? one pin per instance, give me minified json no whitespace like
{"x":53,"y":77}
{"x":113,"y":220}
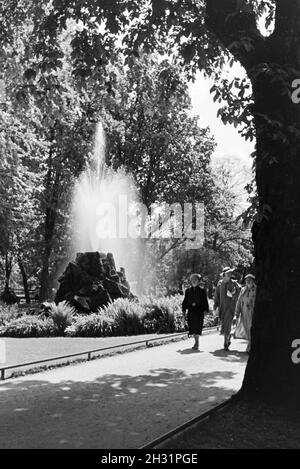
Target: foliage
{"x":8,"y":313}
{"x":205,"y":35}
{"x":61,"y":76}
{"x":62,"y":316}
{"x":128,"y":324}
{"x":163,"y":315}
{"x":123,"y":305}
{"x":227,"y":238}
{"x":122,"y":317}
{"x":127,"y":316}
{"x":211,"y":319}
{"x":93,"y":325}
{"x":151,"y":133}
{"x":46,"y":136}
{"x":27,"y":326}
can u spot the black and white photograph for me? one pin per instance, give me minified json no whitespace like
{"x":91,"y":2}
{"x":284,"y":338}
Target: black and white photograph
{"x":149,"y":229}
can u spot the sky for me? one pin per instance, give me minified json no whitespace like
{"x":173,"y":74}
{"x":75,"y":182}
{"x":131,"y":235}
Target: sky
{"x":230,"y":142}
{"x":231,"y":148}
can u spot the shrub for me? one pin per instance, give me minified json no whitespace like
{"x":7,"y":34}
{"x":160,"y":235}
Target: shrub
{"x":94,"y":325}
{"x":128,"y":324}
{"x":122,"y":305}
{"x":8,"y":313}
{"x":27,"y":326}
{"x":62,"y":316}
{"x":211,"y":319}
{"x":163,"y":315}
{"x":121,"y":317}
{"x":160,"y":321}
{"x":127,"y":316}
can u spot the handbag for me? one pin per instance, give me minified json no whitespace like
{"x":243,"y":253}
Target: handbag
{"x":239,"y":331}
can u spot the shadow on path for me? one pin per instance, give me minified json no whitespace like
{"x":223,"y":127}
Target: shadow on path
{"x":188,"y":351}
{"x":110,"y":411}
{"x":231,"y":355}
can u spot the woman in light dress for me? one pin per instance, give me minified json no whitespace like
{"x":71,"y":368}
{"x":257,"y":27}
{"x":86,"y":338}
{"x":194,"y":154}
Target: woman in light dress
{"x":244,"y":310}
{"x":226,"y":295}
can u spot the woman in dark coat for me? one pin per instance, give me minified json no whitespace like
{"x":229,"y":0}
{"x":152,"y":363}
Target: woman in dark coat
{"x":196,"y":304}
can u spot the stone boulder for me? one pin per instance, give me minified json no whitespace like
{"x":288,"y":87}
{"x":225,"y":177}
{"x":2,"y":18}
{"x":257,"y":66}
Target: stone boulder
{"x":92,"y":282}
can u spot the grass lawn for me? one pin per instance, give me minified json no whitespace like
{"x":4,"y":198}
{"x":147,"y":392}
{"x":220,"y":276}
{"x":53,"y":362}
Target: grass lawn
{"x":31,"y":349}
{"x":243,"y":426}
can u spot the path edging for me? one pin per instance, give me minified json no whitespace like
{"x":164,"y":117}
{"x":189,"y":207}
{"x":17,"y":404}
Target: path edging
{"x":175,"y":432}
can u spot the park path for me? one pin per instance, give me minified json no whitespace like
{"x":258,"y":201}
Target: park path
{"x":123,"y":401}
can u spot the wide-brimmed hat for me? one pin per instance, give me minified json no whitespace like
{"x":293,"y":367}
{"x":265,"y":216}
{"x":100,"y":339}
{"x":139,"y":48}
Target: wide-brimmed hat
{"x":198,"y":276}
{"x":250,"y":276}
{"x":227,"y":270}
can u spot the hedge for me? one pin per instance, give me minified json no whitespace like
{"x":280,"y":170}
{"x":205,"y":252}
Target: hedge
{"x":121,"y":317}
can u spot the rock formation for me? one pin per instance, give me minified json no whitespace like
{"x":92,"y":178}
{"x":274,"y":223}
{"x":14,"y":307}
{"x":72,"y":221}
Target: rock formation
{"x":92,"y":281}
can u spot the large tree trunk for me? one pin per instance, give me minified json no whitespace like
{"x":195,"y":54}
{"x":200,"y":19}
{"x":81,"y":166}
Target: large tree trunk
{"x":25,"y":281}
{"x":45,"y":289}
{"x":276,"y":235}
{"x":272,"y":64}
{"x":8,"y":270}
{"x":45,"y":273}
{"x":52,"y":190}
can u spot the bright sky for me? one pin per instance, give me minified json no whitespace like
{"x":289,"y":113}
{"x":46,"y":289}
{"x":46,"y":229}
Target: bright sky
{"x":231,"y":147}
{"x":230,"y":142}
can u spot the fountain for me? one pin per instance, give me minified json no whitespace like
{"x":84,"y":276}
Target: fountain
{"x":92,"y":280}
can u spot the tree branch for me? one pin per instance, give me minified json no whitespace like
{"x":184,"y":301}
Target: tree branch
{"x":287,"y":24}
{"x":176,"y":243}
{"x":231,"y":239}
{"x":286,"y":13}
{"x":234,"y":24}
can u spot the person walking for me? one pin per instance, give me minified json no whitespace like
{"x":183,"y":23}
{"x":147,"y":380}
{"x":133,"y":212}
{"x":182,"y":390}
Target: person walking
{"x":196,"y":304}
{"x":216,"y":292}
{"x":225,"y":299}
{"x":244,"y":310}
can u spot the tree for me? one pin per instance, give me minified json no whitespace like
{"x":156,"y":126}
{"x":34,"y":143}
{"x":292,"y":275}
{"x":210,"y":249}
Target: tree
{"x":227,"y":238}
{"x":151,"y":134}
{"x":47,"y":134}
{"x":272,"y":63}
{"x":205,"y":32}
{"x":19,"y":187}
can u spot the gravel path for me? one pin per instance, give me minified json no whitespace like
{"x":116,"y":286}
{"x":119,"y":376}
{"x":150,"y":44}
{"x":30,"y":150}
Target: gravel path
{"x":122,"y":401}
